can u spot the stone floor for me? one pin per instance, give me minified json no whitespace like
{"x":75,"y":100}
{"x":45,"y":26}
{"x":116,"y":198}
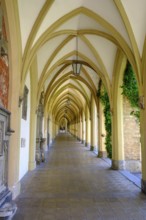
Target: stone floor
{"x":73,"y":184}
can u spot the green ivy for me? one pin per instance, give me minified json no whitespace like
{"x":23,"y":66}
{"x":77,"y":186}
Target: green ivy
{"x":103,"y":95}
{"x":130,"y":90}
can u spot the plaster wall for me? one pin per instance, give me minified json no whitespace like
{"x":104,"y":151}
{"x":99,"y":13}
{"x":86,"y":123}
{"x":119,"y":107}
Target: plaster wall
{"x":24,"y":137}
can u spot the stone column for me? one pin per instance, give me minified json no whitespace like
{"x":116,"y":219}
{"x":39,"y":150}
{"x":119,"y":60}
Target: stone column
{"x":93,"y":125}
{"x":83,"y":128}
{"x":118,"y":160}
{"x":143,"y":141}
{"x":65,"y":125}
{"x":71,"y":129}
{"x":50,"y":130}
{"x":33,"y":116}
{"x":77,"y":128}
{"x":102,"y":132}
{"x":57,"y":129}
{"x":76,"y":134}
{"x":53,"y":129}
{"x":74,"y":127}
{"x":45,"y":129}
{"x":80,"y":131}
{"x":88,"y":128}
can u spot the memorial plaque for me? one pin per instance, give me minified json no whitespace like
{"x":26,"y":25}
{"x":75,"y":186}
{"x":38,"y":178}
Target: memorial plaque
{"x":23,"y":142}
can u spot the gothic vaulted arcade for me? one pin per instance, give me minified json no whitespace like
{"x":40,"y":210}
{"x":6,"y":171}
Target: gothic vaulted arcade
{"x":67,"y":66}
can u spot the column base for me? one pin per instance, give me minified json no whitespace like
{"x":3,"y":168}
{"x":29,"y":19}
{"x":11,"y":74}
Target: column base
{"x":32,"y":165}
{"x":87,"y":144}
{"x":83,"y":141}
{"x":143,"y":186}
{"x":118,"y":165}
{"x":15,"y":190}
{"x":91,"y":148}
{"x":102,"y":154}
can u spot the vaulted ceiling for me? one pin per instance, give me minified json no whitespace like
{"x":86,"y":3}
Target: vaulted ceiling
{"x":48,"y":32}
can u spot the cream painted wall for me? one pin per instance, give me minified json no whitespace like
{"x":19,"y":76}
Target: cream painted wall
{"x":25,"y":127}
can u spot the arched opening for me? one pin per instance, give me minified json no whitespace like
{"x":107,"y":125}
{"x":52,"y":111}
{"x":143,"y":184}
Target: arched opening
{"x":131,"y":121}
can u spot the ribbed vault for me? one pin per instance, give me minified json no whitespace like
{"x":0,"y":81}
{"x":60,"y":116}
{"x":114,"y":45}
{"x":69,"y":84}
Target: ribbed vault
{"x":104,"y":29}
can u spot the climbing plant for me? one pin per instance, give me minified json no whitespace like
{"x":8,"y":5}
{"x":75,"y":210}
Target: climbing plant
{"x":130,"y":90}
{"x":103,"y":96}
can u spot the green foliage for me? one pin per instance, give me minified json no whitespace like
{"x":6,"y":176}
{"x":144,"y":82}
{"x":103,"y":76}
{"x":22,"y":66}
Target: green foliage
{"x":91,"y":148}
{"x":136,"y":114}
{"x":102,"y":94}
{"x":130,"y":90}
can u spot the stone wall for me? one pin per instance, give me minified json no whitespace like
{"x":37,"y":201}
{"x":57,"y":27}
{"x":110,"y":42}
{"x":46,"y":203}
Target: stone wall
{"x":132,"y":146}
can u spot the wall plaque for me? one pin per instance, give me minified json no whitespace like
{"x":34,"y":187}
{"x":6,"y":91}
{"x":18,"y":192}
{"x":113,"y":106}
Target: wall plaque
{"x":23,"y":142}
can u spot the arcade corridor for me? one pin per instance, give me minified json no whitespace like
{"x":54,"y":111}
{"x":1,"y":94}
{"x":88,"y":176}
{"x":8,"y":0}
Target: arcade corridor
{"x":73,"y":184}
{"x":76,"y":66}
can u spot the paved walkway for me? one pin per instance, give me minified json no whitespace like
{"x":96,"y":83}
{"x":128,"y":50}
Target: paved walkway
{"x":73,"y":184}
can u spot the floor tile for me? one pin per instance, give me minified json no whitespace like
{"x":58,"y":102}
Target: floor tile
{"x":73,"y":184}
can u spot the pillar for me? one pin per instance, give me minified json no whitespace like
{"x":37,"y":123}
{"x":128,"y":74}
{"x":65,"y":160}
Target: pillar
{"x":143,"y":143}
{"x":93,"y":125}
{"x":88,"y":128}
{"x":33,"y":117}
{"x":101,"y":132}
{"x":76,"y":129}
{"x":14,"y":94}
{"x":50,"y":129}
{"x":66,"y":125}
{"x":56,"y":129}
{"x":83,"y":127}
{"x":118,"y":160}
{"x":53,"y":124}
{"x":80,"y":130}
